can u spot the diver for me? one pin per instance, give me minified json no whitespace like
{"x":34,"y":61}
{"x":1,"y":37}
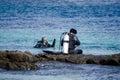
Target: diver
{"x":43,"y":43}
{"x":70,"y":42}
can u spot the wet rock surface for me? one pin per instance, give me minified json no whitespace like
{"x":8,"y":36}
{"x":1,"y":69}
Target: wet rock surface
{"x":113,"y":60}
{"x":17,"y":60}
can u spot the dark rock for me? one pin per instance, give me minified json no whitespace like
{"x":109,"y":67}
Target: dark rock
{"x":112,"y":62}
{"x":42,"y":57}
{"x":103,"y":62}
{"x":3,"y":64}
{"x":81,"y":58}
{"x":90,"y":61}
{"x":17,"y":56}
{"x":109,"y":62}
{"x":17,"y":60}
{"x":21,"y":66}
{"x":116,"y":56}
{"x":27,"y":52}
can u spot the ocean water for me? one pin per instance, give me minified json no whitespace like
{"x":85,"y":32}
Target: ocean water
{"x":22,"y":23}
{"x":56,"y":70}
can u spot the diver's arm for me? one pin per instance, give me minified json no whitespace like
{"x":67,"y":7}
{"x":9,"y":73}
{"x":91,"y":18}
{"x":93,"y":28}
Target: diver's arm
{"x":61,"y":42}
{"x":77,"y":42}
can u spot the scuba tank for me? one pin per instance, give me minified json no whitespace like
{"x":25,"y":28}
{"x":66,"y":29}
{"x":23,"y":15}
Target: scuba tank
{"x":65,"y":42}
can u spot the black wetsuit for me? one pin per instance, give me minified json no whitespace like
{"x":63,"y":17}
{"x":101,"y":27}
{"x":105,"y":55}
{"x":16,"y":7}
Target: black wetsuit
{"x":73,"y":42}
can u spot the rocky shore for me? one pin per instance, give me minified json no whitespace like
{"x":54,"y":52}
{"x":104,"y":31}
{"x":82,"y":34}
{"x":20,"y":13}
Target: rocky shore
{"x":17,"y":60}
{"x":112,"y":60}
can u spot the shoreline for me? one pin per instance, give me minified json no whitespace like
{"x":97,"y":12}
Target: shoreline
{"x":18,"y":60}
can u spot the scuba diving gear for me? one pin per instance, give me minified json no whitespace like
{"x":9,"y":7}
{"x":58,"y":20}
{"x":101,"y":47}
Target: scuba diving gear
{"x":68,"y":43}
{"x":64,"y":42}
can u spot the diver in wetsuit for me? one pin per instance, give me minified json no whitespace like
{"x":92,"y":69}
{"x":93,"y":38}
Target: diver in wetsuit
{"x":73,"y":42}
{"x":44,"y":43}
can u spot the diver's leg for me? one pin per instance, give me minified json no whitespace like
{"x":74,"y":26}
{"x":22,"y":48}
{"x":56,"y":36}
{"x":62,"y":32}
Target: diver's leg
{"x":79,"y":51}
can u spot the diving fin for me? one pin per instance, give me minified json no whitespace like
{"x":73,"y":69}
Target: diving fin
{"x":53,"y":44}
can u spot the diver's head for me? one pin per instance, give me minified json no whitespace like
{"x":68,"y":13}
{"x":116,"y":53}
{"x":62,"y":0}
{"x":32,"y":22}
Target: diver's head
{"x":73,"y":31}
{"x":44,"y":38}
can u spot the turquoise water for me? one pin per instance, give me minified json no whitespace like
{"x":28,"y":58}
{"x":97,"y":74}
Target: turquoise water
{"x":22,"y":23}
{"x":97,"y":35}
